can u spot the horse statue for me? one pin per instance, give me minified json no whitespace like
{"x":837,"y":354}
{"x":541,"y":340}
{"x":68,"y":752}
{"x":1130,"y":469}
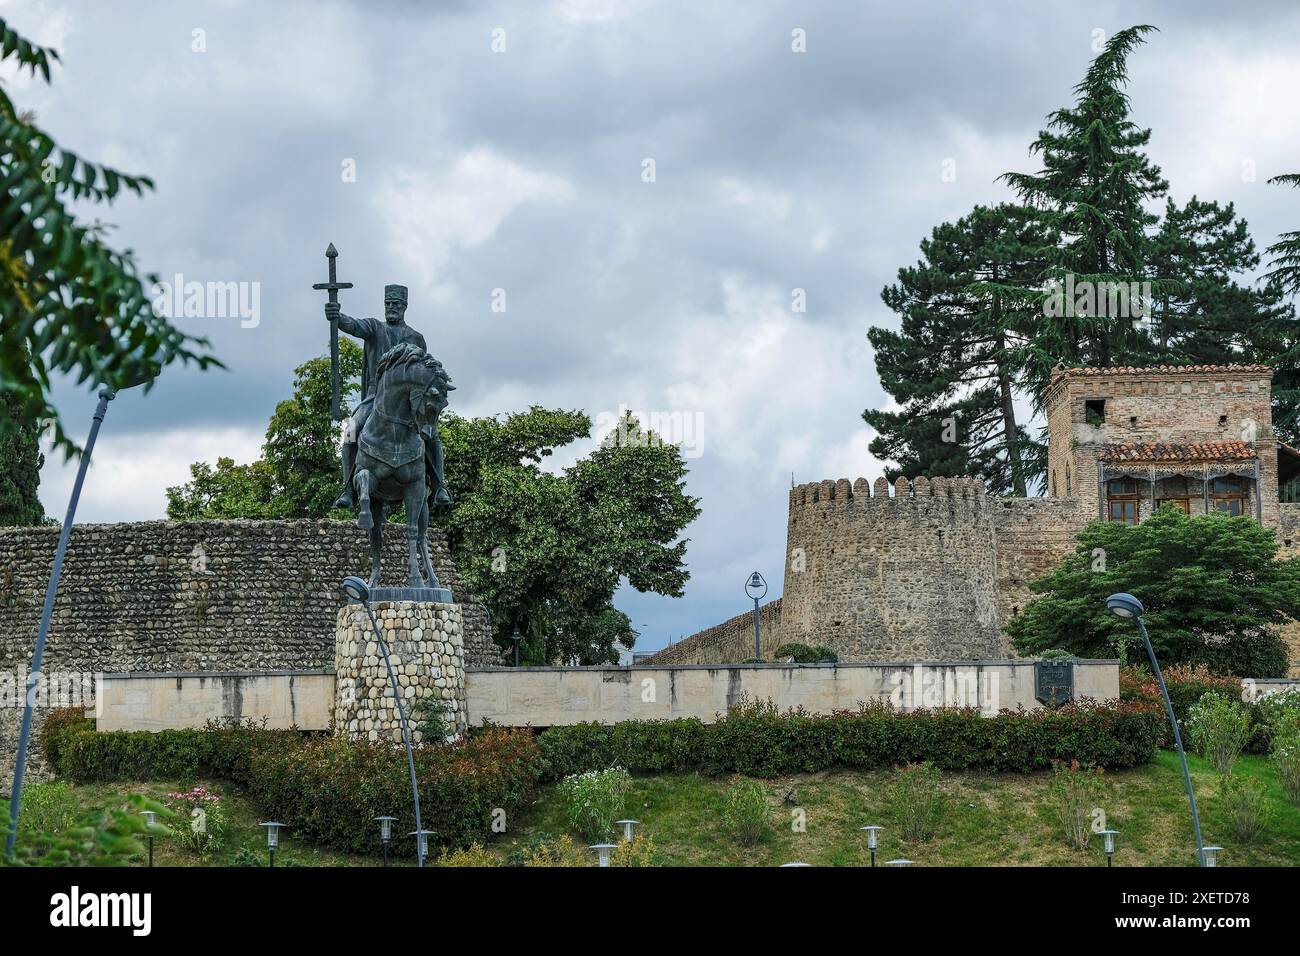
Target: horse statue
{"x":392,"y":467}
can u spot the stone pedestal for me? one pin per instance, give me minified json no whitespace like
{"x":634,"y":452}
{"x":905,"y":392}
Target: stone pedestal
{"x":427,"y":653}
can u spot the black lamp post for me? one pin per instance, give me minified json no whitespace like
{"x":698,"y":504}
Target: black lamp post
{"x":516,"y":637}
{"x":756,"y":588}
{"x":1127,"y":606}
{"x":106,"y":395}
{"x":150,"y":821}
{"x":358,"y":590}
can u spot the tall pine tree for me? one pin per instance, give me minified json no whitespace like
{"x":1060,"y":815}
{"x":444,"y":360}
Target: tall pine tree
{"x":1281,"y":337}
{"x":20,"y":465}
{"x":953,"y":363}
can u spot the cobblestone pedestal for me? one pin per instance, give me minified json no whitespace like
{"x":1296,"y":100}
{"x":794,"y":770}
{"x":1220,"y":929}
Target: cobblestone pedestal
{"x":427,"y":653}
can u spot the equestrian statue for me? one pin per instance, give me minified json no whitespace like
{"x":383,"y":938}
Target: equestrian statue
{"x":392,"y":453}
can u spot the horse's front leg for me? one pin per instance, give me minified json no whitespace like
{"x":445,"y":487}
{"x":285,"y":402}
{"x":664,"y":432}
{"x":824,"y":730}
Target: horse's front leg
{"x":376,"y":542}
{"x":429,"y":575}
{"x":413,"y":496}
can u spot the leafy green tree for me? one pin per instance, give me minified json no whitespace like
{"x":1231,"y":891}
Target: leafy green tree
{"x":967,"y":322}
{"x":71,"y":304}
{"x":20,"y":465}
{"x":546,"y":551}
{"x":1213,"y":588}
{"x":1281,"y":340}
{"x":1092,"y":193}
{"x":299,"y":473}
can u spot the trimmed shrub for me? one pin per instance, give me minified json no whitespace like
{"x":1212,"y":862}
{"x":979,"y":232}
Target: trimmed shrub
{"x":757,"y":739}
{"x":327,"y":788}
{"x":805,"y":654}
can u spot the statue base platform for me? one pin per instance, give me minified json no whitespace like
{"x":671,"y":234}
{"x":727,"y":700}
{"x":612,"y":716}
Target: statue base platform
{"x":428,"y":595}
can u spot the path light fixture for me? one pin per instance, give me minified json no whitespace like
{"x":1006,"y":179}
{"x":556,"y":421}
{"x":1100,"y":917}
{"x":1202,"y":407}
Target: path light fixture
{"x":898,"y":863}
{"x":756,"y":588}
{"x":150,"y":821}
{"x":1126,"y":606}
{"x":515,"y":638}
{"x":784,"y":865}
{"x":357,"y":590}
{"x":1109,"y":837}
{"x":272,"y":839}
{"x":873,"y":841}
{"x":106,"y":395}
{"x":421,"y":843}
{"x":627,"y":826}
{"x":602,"y":850}
{"x":385,"y":833}
{"x":1210,"y":854}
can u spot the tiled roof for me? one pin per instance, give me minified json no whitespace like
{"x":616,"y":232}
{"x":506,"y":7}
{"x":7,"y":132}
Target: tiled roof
{"x":1163,"y":451}
{"x":1163,"y":369}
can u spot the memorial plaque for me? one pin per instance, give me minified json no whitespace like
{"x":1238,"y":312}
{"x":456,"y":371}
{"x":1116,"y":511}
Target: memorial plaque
{"x":1053,"y":682}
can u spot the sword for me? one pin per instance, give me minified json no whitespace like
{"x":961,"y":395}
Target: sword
{"x":332,"y":287}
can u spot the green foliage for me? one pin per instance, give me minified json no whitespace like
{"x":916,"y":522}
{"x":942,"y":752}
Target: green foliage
{"x":746,"y":812}
{"x":639,"y":851}
{"x":1212,"y":587}
{"x":299,"y":473}
{"x":433,"y":720}
{"x":328,"y":789}
{"x":1076,"y":790}
{"x":594,"y":800}
{"x":1286,"y":758}
{"x":471,"y":856}
{"x":757,"y":739}
{"x":1244,"y":807}
{"x":200,"y":821}
{"x":967,"y":322}
{"x":71,"y":303}
{"x":546,"y":551}
{"x":917,"y":800}
{"x":102,"y":836}
{"x":1279,"y":712}
{"x":1219,"y":728}
{"x":49,"y":808}
{"x":547,"y":851}
{"x":20,"y":466}
{"x":805,"y":654}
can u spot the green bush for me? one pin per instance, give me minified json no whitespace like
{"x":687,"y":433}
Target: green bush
{"x":1286,"y":758}
{"x":746,"y":812}
{"x":1076,"y":790}
{"x":806,"y":654}
{"x":1219,"y":728}
{"x":327,"y":788}
{"x":757,"y":739}
{"x":917,"y":800}
{"x":48,"y":808}
{"x":1279,"y":712}
{"x":1244,"y":806}
{"x":594,"y":800}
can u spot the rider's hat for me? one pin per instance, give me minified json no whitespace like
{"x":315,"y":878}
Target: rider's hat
{"x":395,"y":292}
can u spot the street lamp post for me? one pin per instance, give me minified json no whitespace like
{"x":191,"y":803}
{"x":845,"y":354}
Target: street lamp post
{"x":1127,"y":606}
{"x":106,"y":395}
{"x":358,"y":590}
{"x":516,"y":637}
{"x":756,"y":588}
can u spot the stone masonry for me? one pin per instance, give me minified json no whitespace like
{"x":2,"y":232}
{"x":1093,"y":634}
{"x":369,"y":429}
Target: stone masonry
{"x":427,"y":654}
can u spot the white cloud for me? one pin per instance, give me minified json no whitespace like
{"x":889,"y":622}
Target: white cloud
{"x":429,"y":213}
{"x":772,"y":202}
{"x":599,"y":11}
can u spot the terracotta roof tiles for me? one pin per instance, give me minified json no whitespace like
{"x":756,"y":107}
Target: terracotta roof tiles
{"x":1164,"y":451}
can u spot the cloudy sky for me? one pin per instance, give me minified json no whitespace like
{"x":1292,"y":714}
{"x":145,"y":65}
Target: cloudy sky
{"x":462,"y":148}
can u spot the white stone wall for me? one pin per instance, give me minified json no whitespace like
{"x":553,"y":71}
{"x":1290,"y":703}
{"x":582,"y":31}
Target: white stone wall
{"x":175,"y":701}
{"x":427,"y":653}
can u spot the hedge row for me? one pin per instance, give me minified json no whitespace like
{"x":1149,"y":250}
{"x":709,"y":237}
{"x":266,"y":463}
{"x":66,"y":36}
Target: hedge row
{"x":758,"y":740}
{"x":1187,"y":684}
{"x":326,"y":788}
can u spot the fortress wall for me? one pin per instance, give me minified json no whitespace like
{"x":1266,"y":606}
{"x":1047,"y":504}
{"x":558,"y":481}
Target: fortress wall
{"x":1032,"y":535}
{"x":730,"y":642}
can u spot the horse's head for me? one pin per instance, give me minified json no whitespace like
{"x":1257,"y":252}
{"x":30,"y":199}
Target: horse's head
{"x":423,"y":380}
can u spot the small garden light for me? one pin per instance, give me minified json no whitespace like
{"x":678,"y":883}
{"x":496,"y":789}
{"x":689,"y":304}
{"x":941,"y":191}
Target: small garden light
{"x":150,"y":821}
{"x":272,"y":839}
{"x":385,"y":833}
{"x":627,"y":826}
{"x":1210,"y":854}
{"x":1109,"y":837}
{"x":421,"y":843}
{"x":1126,"y":606}
{"x":603,"y":850}
{"x":873,"y":841}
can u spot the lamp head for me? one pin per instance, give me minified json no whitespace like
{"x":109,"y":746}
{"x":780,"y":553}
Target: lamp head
{"x":356,"y":589}
{"x":756,"y":587}
{"x":1124,"y":605}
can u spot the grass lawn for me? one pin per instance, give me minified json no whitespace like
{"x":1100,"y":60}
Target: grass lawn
{"x":991,"y":820}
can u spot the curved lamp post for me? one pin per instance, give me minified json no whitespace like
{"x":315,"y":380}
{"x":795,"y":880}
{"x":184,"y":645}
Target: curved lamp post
{"x":106,"y":395}
{"x":359,"y":591}
{"x":1127,"y":606}
{"x":756,"y":588}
